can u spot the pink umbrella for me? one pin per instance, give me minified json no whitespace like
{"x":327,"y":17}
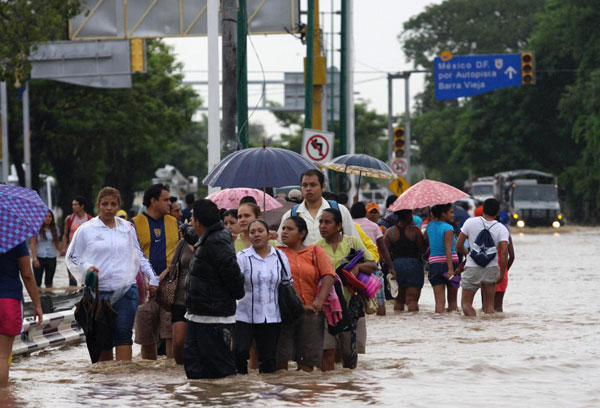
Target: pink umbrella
{"x":230,"y":198}
{"x":426,"y":193}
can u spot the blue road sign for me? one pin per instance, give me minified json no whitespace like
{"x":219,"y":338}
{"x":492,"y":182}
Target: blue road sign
{"x":475,"y":74}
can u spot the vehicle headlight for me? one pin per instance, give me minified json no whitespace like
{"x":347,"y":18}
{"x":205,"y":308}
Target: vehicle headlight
{"x":556,"y":224}
{"x":516,"y":216}
{"x":560,"y":217}
{"x":520,"y":223}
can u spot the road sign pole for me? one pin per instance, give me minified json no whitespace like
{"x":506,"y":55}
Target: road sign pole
{"x":309,"y":66}
{"x":242,"y":105}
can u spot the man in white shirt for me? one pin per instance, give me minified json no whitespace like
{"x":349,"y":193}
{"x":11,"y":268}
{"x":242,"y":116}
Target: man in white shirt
{"x":484,"y":277}
{"x":312,"y":183}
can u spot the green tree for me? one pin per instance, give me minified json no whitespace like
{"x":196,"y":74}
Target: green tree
{"x":27,"y":23}
{"x":478,"y":134}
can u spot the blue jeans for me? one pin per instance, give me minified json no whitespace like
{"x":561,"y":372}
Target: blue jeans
{"x":126,"y":308}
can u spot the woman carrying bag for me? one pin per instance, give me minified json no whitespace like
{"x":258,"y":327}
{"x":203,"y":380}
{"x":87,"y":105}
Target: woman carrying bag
{"x":258,"y":315}
{"x":338,"y":246}
{"x":107,"y":245}
{"x":302,"y":341}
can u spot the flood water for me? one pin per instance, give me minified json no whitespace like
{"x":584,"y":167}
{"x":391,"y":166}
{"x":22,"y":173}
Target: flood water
{"x":543,"y":351}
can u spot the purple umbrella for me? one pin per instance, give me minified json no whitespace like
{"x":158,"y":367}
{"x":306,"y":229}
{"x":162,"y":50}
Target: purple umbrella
{"x":22,"y":212}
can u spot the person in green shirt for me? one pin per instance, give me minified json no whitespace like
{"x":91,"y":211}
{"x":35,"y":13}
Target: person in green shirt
{"x":337,"y":246}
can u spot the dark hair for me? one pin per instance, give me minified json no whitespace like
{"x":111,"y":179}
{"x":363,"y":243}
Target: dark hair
{"x":255,"y":208}
{"x":81,"y":200}
{"x":189,"y":198}
{"x":173,"y":199}
{"x":52,"y":227}
{"x":247,"y":199}
{"x":337,"y":215}
{"x":230,"y":213}
{"x":206,"y":212}
{"x":405,"y":216}
{"x":438,"y":210}
{"x":154,"y":191}
{"x":313,"y":172}
{"x":390,"y":200}
{"x":300,"y":224}
{"x":328,"y":195}
{"x":358,"y":210}
{"x":491,"y":206}
{"x":263,"y":222}
{"x":342,"y":198}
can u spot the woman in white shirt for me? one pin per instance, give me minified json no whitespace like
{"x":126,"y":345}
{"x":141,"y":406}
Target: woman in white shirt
{"x":257,"y":315}
{"x":108,"y":246}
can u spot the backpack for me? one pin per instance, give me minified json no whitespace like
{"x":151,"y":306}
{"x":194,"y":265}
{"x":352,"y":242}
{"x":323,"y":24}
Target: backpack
{"x":332,"y":204}
{"x":483,"y":249}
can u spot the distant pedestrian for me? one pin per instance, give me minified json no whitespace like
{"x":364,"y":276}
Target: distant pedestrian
{"x":486,"y":276}
{"x":230,"y":221}
{"x":360,"y":214}
{"x":406,"y":246}
{"x":187,"y":211}
{"x":176,"y":210}
{"x":72,"y":222}
{"x":443,"y":259}
{"x":213,"y":285}
{"x":158,"y":235}
{"x":44,"y":247}
{"x":107,"y":245}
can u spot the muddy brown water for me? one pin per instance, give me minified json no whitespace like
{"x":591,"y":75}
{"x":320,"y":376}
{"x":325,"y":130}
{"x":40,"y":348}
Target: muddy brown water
{"x":543,"y":351}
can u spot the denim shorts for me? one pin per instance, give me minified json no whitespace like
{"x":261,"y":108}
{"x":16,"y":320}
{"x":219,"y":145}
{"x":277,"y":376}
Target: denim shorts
{"x":126,"y":308}
{"x":409,"y":272}
{"x":437,"y":271}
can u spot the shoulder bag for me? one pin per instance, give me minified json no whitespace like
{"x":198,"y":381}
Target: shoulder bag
{"x":290,"y":306}
{"x":165,"y":294}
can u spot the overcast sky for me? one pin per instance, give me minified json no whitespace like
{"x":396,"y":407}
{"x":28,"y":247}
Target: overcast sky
{"x":377,"y":24}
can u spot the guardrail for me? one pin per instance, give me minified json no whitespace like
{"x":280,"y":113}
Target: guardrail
{"x":57,"y":328}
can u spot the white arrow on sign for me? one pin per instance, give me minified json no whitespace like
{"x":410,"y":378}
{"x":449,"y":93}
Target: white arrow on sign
{"x":510,"y":71}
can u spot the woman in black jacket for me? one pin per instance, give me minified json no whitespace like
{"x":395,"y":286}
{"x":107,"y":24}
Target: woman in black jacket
{"x":213,"y":284}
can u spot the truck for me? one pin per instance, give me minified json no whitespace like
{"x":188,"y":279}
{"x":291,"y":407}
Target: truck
{"x":530,"y":197}
{"x":482,"y":188}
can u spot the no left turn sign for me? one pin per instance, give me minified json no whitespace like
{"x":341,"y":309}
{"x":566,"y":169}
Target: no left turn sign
{"x":317,"y":146}
{"x":400,"y":166}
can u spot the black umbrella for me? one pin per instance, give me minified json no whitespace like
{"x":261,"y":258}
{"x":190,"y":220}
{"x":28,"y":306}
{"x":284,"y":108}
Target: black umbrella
{"x":97,"y":319}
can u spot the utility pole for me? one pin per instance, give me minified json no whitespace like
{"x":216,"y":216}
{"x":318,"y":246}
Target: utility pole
{"x":309,"y":66}
{"x":26,"y":136}
{"x":229,"y":30}
{"x":214,"y":145}
{"x":343,"y":84}
{"x":242,"y":61}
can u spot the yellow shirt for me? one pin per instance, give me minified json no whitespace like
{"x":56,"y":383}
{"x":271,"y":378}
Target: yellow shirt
{"x":371,"y":246}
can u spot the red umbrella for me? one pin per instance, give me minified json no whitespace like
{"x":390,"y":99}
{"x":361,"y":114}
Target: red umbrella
{"x":426,"y":193}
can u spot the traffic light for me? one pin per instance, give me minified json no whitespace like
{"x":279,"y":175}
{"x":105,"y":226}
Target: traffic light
{"x":399,"y":142}
{"x":527,"y":68}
